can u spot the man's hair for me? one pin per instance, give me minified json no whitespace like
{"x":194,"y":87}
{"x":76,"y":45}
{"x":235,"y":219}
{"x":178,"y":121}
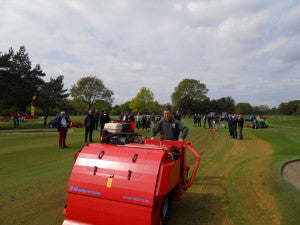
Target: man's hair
{"x":167,"y":109}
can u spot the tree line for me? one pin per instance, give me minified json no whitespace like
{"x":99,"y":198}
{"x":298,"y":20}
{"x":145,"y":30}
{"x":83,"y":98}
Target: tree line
{"x":22,"y":86}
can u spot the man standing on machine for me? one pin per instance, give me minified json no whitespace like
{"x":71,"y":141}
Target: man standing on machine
{"x":169,"y":128}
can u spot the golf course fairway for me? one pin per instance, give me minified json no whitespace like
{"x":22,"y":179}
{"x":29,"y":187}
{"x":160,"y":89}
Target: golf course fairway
{"x":238,"y":181}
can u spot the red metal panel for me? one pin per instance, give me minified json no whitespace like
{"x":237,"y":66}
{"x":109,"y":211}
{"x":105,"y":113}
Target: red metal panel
{"x":91,"y":210}
{"x":168,"y":177}
{"x":113,"y":167}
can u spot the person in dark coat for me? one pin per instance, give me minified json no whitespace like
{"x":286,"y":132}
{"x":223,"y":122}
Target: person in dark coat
{"x":138,"y":121}
{"x":199,"y":120}
{"x":144,"y":122}
{"x":63,"y":123}
{"x":240,"y":125}
{"x":157,"y":119}
{"x":177,"y":116}
{"x":234,"y":126}
{"x":103,"y":120}
{"x":195,"y":119}
{"x":209,"y":121}
{"x":230,"y":127}
{"x":96,"y":119}
{"x":89,"y":123}
{"x":124,"y":116}
{"x":130,"y":117}
{"x":204,"y":120}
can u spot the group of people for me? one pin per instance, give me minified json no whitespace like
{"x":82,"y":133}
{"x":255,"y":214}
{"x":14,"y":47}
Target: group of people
{"x":235,"y":126}
{"x":212,"y":120}
{"x":92,"y":121}
{"x":167,"y":125}
{"x":235,"y":123}
{"x":144,"y":121}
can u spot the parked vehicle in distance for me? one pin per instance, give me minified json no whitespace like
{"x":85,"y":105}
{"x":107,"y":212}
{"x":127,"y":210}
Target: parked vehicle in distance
{"x":53,"y":124}
{"x":5,"y":119}
{"x":26,"y":116}
{"x":76,"y":124}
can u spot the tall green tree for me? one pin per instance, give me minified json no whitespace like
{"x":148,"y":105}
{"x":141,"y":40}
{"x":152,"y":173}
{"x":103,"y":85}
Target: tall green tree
{"x":125,"y":107}
{"x":244,"y":108}
{"x":188,"y":93}
{"x":226,"y":104}
{"x":19,"y":82}
{"x":80,"y":107}
{"x":116,"y":110}
{"x":143,"y":101}
{"x":50,"y":94}
{"x":289,"y":108}
{"x":91,"y":89}
{"x":298,"y":110}
{"x":103,"y":105}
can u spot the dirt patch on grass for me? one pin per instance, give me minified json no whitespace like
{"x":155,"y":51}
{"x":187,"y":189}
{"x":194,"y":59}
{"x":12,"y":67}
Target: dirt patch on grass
{"x":249,"y":176}
{"x":203,"y":203}
{"x":291,"y":172}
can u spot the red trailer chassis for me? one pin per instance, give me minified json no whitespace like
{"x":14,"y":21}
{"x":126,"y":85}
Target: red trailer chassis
{"x":128,"y":183}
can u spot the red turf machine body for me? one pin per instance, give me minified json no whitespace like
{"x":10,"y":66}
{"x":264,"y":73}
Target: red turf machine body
{"x":127,"y":180}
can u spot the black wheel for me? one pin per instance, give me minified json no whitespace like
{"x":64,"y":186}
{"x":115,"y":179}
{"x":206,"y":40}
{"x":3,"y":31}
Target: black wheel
{"x":165,"y":210}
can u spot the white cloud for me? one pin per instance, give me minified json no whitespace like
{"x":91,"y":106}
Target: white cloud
{"x":227,"y":44}
{"x":177,"y":6}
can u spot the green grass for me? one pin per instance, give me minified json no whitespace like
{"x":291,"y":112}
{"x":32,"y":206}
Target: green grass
{"x":284,"y":136}
{"x":34,"y":174}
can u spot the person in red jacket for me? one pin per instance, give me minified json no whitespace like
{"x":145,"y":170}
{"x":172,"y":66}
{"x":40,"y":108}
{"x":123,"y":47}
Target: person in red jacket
{"x":63,"y":123}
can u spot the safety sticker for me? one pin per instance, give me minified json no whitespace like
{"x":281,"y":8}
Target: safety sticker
{"x":109,"y":182}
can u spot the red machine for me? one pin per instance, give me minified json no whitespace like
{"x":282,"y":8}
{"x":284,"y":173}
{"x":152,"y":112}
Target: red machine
{"x":127,"y":180}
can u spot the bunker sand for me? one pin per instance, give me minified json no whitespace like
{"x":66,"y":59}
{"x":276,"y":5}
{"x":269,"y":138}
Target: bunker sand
{"x":291,"y":172}
{"x":232,"y":184}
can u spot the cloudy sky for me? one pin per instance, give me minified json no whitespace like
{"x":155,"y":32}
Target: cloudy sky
{"x":246,"y":49}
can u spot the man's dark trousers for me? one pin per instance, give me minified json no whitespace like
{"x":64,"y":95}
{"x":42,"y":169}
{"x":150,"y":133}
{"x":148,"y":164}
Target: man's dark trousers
{"x":88,"y":132}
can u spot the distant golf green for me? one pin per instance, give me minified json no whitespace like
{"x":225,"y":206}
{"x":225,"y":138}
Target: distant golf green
{"x":238,"y":182}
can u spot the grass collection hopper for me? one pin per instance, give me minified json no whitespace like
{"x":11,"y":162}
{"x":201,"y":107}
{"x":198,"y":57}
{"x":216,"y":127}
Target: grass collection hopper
{"x":127,"y":180}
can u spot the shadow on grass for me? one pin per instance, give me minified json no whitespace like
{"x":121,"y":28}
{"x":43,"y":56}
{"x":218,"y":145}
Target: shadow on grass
{"x":196,"y":209}
{"x":201,"y":205}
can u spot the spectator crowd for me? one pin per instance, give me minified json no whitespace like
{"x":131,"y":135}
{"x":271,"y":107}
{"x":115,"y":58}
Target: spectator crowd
{"x":96,"y":119}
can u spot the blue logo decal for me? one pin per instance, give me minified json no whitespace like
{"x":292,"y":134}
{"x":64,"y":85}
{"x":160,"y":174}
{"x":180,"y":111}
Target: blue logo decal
{"x":72,"y":188}
{"x":136,"y":199}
